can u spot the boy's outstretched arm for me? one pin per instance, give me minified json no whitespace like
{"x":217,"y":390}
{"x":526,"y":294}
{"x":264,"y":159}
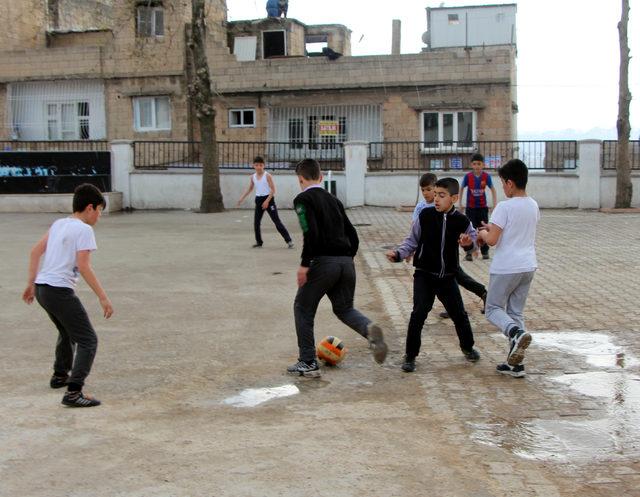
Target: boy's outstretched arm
{"x":272,"y":191}
{"x":489,"y":233}
{"x":245,"y":193}
{"x":468,"y":239}
{"x":34,"y":261}
{"x":83,"y":260}
{"x":460,"y":197}
{"x":408,"y":246}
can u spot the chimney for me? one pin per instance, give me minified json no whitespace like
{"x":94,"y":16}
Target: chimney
{"x":395,"y":37}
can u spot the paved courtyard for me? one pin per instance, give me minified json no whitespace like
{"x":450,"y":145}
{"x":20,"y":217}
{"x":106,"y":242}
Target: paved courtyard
{"x":190,"y":370}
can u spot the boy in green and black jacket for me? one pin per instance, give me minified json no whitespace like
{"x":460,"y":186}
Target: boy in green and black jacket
{"x":326,"y":268}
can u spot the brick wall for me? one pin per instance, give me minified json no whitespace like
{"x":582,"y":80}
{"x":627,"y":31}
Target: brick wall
{"x":23,"y":25}
{"x":119,"y":95}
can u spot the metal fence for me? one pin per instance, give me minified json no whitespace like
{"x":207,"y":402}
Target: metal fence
{"x":236,"y":155}
{"x":543,"y":155}
{"x":610,"y":151}
{"x":54,"y":146}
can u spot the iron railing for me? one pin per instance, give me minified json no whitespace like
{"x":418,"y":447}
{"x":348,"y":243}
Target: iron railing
{"x":54,"y":146}
{"x":610,"y":150}
{"x":236,"y":155}
{"x":543,"y":155}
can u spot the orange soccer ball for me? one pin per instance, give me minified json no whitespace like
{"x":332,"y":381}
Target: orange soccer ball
{"x":331,"y":350}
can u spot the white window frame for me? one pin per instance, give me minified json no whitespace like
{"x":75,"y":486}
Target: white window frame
{"x":242,"y":124}
{"x":154,"y":21}
{"x":75,"y":122}
{"x":154,"y":114}
{"x":441,"y":146}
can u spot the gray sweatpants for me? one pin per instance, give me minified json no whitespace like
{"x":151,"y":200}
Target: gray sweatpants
{"x":506,"y":297}
{"x":335,"y":277}
{"x":74,"y":328}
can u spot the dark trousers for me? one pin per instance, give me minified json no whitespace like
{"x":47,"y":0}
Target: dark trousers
{"x":74,"y":329}
{"x":478,"y":215}
{"x":469,"y":284}
{"x":272,"y":210}
{"x":426,"y":288}
{"x":334,"y":277}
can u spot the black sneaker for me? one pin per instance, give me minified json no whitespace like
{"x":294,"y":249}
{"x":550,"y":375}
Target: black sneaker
{"x":376,"y":342}
{"x":484,"y":302}
{"x":472,"y":355}
{"x":468,"y":257}
{"x":409,"y":365}
{"x":58,"y":381}
{"x":515,"y":371}
{"x":519,"y":343}
{"x":290,"y":244}
{"x":444,"y":315}
{"x":256,"y":245}
{"x":308,"y":369}
{"x":485,"y":256}
{"x":78,"y":399}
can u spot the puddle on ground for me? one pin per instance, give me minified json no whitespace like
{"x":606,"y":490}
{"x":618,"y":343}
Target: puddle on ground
{"x":596,"y":348}
{"x":563,"y":441}
{"x":253,"y":397}
{"x":615,"y":436}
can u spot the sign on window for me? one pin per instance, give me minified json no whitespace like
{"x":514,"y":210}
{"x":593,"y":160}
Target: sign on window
{"x":328,"y":128}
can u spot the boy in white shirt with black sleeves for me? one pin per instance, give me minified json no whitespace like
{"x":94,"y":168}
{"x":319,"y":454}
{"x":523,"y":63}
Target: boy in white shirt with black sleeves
{"x":512,"y":230}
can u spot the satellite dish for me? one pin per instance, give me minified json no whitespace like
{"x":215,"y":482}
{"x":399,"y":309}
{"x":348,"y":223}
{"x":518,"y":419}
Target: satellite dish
{"x":425,"y":37}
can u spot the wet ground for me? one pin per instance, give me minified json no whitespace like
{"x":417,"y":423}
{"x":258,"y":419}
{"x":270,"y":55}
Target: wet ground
{"x":190,"y":370}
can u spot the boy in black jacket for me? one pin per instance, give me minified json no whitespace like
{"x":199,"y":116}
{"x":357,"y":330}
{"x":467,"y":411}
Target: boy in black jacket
{"x":434,"y":240}
{"x":330,"y":243}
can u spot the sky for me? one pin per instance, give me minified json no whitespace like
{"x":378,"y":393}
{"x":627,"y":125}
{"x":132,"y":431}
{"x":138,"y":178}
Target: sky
{"x":568,"y":53}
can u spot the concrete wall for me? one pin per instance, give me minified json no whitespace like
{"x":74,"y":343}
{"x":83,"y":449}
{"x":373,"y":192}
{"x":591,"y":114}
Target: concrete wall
{"x":58,"y":202}
{"x":182,"y":189}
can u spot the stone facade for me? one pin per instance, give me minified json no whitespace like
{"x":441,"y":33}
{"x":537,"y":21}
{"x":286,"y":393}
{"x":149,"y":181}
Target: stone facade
{"x":106,"y":46}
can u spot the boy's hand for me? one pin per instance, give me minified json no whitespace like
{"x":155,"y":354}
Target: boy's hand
{"x":265,"y":205}
{"x":29,"y":293}
{"x":391,"y":255}
{"x":238,"y":203}
{"x":302,"y":275}
{"x":465,"y":240}
{"x":107,"y":308}
{"x":483,"y":226}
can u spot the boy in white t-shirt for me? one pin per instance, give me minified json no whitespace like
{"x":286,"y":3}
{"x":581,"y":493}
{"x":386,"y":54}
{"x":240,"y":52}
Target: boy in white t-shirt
{"x":67,"y":248}
{"x":512,"y":230}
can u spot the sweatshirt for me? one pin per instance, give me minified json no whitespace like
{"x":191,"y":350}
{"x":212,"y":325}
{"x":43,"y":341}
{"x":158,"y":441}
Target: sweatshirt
{"x":434,"y":239}
{"x":325,"y":226}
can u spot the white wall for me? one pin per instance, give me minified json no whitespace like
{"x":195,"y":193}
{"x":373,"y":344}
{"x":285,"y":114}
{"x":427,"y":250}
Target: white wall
{"x":181,"y":189}
{"x":608,"y":190}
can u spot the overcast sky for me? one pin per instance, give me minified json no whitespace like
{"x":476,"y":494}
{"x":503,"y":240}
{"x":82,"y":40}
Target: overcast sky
{"x":568,"y":52}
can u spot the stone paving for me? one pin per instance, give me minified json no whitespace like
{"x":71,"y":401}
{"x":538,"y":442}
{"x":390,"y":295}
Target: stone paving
{"x":573,"y":424}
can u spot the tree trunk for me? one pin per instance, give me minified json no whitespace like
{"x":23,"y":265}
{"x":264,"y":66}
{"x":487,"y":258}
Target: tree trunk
{"x":624,"y":188}
{"x":202,"y":99}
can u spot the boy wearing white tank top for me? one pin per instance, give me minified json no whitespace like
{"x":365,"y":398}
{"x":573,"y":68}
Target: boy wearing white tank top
{"x":265,"y":188}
